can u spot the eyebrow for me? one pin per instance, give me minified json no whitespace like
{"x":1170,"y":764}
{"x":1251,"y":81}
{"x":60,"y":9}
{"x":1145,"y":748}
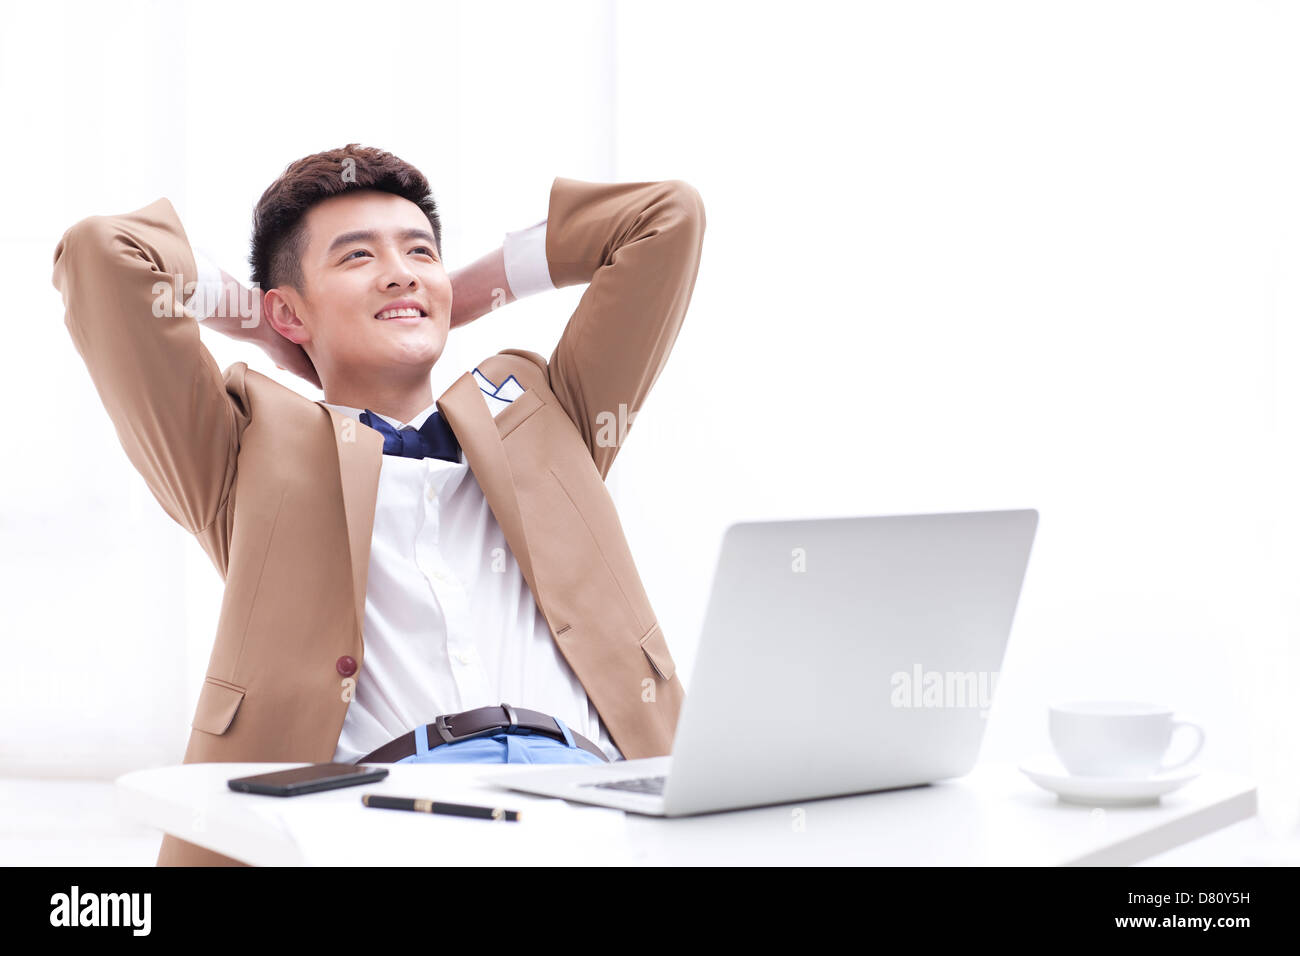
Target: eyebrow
{"x":370,"y":235}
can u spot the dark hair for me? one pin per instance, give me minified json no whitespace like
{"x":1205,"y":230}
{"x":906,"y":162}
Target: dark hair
{"x":279,"y":227}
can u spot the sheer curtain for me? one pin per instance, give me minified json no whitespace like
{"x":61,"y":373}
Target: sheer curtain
{"x":109,"y":608}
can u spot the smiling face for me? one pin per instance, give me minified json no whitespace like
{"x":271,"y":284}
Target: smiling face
{"x":367,"y":251}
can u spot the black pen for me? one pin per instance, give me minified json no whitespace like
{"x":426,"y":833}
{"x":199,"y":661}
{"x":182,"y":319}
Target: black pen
{"x":429,"y":806}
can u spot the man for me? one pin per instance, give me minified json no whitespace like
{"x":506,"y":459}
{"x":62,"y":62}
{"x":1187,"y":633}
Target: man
{"x":465,"y":549}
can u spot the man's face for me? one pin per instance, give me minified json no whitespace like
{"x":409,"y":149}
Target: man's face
{"x":351,"y":278}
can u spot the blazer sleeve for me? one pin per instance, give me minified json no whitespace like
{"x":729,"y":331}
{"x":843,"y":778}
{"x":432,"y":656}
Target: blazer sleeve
{"x":123,"y":280}
{"x":638,"y":245}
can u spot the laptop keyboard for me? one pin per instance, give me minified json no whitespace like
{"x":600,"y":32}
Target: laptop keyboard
{"x":651,"y":785}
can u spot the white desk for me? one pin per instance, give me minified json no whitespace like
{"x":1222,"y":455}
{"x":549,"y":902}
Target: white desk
{"x":994,"y":816}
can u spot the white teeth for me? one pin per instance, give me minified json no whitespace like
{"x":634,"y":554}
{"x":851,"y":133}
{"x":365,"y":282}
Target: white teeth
{"x":398,"y":313}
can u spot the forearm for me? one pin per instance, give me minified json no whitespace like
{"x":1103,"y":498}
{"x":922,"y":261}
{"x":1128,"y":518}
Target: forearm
{"x":479,"y":288}
{"x":223,"y":303}
{"x":236,"y":312}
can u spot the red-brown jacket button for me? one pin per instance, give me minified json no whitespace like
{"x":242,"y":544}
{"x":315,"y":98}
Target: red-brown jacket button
{"x":346,"y":665}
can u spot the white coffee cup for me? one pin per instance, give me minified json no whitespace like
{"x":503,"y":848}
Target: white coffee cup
{"x":1117,"y":738}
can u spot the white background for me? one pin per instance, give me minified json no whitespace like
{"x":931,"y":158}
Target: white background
{"x":959,"y":256}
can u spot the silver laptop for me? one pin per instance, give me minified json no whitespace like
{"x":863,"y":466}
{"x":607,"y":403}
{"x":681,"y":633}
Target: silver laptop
{"x":838,"y":656}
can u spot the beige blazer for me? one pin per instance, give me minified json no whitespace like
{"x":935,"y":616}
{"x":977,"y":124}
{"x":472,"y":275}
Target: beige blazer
{"x":280,"y":490}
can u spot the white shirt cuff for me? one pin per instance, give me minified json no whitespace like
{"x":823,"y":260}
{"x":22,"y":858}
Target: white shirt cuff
{"x":207,"y":293}
{"x":527,"y":270}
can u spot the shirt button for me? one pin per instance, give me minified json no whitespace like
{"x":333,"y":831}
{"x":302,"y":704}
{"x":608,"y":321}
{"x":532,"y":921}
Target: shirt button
{"x":346,"y":665}
{"x":463,"y":658}
{"x":430,"y":493}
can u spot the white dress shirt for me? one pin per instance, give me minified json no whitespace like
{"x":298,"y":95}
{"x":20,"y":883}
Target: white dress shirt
{"x":450,"y":623}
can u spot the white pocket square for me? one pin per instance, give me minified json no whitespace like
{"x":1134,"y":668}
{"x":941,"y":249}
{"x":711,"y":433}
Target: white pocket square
{"x":498,"y":397}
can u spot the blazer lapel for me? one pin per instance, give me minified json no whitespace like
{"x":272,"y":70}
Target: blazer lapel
{"x":467,"y":414}
{"x":360,"y":451}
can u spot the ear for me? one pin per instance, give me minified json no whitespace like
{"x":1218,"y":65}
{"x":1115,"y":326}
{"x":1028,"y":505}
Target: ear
{"x":283,"y":317}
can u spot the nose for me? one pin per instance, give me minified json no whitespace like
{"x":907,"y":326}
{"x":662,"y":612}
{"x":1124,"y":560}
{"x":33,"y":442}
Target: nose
{"x":399,"y":273}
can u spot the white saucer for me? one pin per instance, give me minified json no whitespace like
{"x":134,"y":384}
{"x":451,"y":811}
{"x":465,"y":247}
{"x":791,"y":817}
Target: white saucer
{"x":1046,"y":771}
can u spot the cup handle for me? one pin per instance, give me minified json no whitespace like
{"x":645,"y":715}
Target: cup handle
{"x":1200,"y":742}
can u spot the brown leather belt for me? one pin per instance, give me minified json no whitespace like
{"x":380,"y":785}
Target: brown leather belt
{"x":480,"y":722}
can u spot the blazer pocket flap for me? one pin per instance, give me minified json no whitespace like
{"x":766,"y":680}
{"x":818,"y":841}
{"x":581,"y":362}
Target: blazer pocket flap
{"x":218,"y":701}
{"x":513,"y":415}
{"x":656,"y":649}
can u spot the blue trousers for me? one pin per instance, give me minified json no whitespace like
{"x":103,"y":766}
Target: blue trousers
{"x":512,"y":745}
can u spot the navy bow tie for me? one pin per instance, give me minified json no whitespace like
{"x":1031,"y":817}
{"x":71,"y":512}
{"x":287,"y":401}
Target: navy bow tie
{"x":433,"y":439}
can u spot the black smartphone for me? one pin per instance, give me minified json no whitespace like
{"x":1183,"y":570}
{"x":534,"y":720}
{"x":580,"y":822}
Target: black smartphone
{"x":320,"y":776}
